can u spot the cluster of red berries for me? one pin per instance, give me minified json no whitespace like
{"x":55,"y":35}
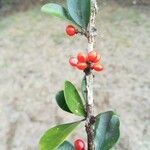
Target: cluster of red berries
{"x":79,"y":145}
{"x":83,"y":61}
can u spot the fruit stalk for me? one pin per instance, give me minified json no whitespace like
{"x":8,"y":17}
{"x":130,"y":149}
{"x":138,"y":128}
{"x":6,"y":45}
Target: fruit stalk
{"x":89,"y":79}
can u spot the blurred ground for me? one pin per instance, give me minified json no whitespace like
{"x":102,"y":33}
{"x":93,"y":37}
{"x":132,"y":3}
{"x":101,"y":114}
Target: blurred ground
{"x":34,"y":54}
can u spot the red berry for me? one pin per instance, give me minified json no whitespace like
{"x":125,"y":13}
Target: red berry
{"x":81,"y":66}
{"x":70,"y":30}
{"x":79,"y":145}
{"x":73,"y":61}
{"x":97,"y":58}
{"x":97,"y":67}
{"x":81,"y":57}
{"x":92,"y":56}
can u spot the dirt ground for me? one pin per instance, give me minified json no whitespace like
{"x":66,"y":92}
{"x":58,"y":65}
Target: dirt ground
{"x":34,"y":53}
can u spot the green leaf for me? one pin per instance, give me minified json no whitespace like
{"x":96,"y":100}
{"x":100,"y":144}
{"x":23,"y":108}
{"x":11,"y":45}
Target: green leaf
{"x":56,"y":136}
{"x":73,"y":99}
{"x":60,"y":99}
{"x":56,"y":10}
{"x":79,"y":10}
{"x":106,"y":130}
{"x":83,"y":88}
{"x":66,"y":146}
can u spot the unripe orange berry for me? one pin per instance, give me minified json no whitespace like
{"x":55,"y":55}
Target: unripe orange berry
{"x":87,"y":60}
{"x":81,"y":66}
{"x":79,"y":145}
{"x":97,"y":58}
{"x":92,"y":56}
{"x":81,"y":57}
{"x":97,"y":67}
{"x":70,"y":30}
{"x":73,"y":61}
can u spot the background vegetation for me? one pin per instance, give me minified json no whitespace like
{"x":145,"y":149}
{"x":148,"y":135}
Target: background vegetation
{"x":9,"y":5}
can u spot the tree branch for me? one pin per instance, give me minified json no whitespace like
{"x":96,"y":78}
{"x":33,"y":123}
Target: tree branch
{"x":89,"y":78}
